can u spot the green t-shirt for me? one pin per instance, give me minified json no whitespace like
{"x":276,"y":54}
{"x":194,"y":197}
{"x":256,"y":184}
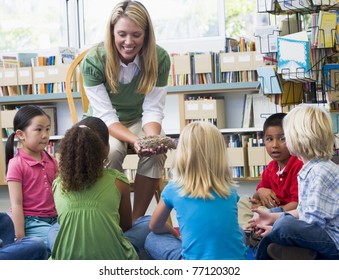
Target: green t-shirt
{"x":89,"y":222}
{"x":127,"y":102}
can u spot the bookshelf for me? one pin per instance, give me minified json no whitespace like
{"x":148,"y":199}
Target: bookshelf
{"x":39,"y":99}
{"x":220,"y":90}
{"x":310,"y":28}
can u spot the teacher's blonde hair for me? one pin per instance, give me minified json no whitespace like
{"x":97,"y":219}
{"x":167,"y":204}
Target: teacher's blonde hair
{"x":148,"y":56}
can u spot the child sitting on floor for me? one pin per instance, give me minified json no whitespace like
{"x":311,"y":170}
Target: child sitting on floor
{"x":206,"y":204}
{"x":312,"y":230}
{"x":93,"y":202}
{"x":278,"y":188}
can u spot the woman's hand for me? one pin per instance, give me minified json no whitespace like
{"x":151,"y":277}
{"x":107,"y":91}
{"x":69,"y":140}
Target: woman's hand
{"x":147,"y":152}
{"x":142,"y":151}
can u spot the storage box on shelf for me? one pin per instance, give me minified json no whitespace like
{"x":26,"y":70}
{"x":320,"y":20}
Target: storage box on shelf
{"x":212,"y":110}
{"x":238,"y":161}
{"x":230,"y":94}
{"x":26,"y":81}
{"x":258,"y":159}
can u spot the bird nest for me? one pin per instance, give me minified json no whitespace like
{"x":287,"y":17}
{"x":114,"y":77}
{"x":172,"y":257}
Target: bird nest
{"x":152,"y":142}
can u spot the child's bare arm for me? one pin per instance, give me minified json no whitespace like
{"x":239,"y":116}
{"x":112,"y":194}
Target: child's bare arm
{"x":290,"y":206}
{"x":15,"y":195}
{"x":159,"y":218}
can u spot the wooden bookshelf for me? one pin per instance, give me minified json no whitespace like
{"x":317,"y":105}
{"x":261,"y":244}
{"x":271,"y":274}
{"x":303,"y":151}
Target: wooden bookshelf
{"x":181,"y":91}
{"x":209,"y":89}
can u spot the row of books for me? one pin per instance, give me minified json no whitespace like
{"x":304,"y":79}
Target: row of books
{"x":246,"y":154}
{"x":32,"y":73}
{"x":214,"y":67}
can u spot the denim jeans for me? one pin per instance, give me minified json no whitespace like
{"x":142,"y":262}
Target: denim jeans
{"x":163,"y":246}
{"x":136,"y":235}
{"x":7,"y":234}
{"x":290,"y":231}
{"x":28,"y":248}
{"x":38,"y":226}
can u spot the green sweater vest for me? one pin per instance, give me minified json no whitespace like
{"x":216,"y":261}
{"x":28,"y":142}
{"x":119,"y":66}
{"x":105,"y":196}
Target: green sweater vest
{"x":127,"y":102}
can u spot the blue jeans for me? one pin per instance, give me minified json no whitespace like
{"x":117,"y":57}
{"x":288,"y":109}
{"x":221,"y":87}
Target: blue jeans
{"x":7,"y":233}
{"x":163,"y":246}
{"x":290,"y":231}
{"x":136,"y":235}
{"x":38,"y":226}
{"x":28,"y":248}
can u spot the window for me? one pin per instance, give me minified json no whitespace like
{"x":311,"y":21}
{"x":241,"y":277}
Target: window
{"x":32,"y":24}
{"x":177,"y":23}
{"x":180,"y":25}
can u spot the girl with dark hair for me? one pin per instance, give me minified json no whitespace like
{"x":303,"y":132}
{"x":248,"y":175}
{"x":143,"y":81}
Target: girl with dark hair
{"x":30,"y":174}
{"x":93,"y":203}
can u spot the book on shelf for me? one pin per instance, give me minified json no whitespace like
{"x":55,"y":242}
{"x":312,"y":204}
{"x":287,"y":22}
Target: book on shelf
{"x":25,"y":61}
{"x":292,"y":93}
{"x":294,"y":56}
{"x":66,"y":55}
{"x":269,"y":81}
{"x":9,"y":66}
{"x":263,"y":107}
{"x":331,"y":73}
{"x":326,"y":28}
{"x":247,"y":117}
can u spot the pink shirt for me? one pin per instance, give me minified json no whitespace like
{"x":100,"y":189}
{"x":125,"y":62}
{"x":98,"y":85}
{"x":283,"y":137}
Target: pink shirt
{"x":36,"y":178}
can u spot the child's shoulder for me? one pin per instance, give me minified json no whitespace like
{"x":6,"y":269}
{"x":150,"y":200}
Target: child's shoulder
{"x":114,"y":174}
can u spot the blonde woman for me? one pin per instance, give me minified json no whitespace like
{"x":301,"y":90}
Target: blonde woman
{"x":205,"y":201}
{"x":312,"y":230}
{"x":125,"y":80}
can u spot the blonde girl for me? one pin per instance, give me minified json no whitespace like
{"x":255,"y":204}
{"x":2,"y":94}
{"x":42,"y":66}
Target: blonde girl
{"x":205,"y":201}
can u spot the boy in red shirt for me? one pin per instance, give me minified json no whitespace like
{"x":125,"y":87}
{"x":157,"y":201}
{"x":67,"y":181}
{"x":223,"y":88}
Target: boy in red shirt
{"x":278,"y":188}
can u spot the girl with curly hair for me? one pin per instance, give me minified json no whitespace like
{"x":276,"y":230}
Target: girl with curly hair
{"x":93,"y":203}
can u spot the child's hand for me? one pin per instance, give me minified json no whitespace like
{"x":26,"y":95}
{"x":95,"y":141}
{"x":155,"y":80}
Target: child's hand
{"x":263,"y":218}
{"x":263,"y":230}
{"x":268,"y":198}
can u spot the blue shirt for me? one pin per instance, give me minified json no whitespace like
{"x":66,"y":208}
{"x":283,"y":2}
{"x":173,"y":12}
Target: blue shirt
{"x":319,"y":196}
{"x":209,"y":228}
